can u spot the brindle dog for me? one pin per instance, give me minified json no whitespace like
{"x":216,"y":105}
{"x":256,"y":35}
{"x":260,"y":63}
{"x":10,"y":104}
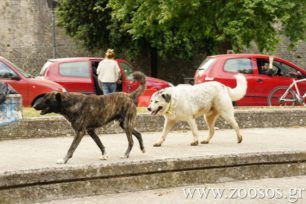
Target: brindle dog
{"x":88,"y":112}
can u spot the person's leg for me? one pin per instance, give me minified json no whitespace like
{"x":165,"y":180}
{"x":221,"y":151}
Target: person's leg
{"x":112,"y":87}
{"x":105,"y":88}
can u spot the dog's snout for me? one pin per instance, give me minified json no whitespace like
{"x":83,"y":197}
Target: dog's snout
{"x":149,"y":109}
{"x":37,"y":102}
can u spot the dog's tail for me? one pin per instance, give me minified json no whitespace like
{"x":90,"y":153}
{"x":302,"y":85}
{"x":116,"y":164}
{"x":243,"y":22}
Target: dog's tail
{"x":139,"y":76}
{"x":239,"y":91}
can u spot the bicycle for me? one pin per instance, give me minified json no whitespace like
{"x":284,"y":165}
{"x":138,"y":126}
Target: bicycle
{"x":287,"y":96}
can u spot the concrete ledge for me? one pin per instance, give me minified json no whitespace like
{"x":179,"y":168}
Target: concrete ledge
{"x":247,"y":118}
{"x":47,"y":184}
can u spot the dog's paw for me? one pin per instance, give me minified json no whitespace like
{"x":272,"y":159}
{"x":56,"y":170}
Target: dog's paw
{"x":195,"y":143}
{"x":158,"y":144}
{"x":239,"y":140}
{"x":143,"y":151}
{"x":61,"y":161}
{"x":204,"y":142}
{"x":104,"y":157}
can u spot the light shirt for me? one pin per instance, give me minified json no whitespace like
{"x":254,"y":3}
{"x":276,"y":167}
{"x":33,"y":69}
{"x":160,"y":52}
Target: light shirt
{"x":108,"y":71}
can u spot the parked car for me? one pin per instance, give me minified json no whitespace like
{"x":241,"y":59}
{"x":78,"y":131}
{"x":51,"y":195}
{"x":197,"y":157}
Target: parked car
{"x":222,"y":68}
{"x":79,"y":75}
{"x":30,"y":88}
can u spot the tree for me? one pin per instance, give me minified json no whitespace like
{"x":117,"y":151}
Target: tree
{"x":175,"y":28}
{"x":84,"y":23}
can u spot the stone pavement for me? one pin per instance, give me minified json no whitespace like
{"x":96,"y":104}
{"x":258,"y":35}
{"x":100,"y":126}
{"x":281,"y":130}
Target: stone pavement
{"x":263,"y":191}
{"x":43,"y":153}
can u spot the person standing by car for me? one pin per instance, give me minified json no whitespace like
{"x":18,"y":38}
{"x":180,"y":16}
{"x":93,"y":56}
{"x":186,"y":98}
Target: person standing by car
{"x":108,"y":72}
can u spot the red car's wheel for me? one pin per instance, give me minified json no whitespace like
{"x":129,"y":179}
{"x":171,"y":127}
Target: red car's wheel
{"x":274,"y":98}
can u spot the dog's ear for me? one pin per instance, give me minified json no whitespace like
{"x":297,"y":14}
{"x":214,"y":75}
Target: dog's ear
{"x":58,"y":97}
{"x":167,"y":97}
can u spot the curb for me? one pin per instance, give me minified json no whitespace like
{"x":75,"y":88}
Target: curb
{"x":60,"y":183}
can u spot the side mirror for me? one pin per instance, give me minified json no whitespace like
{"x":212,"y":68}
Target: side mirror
{"x":15,"y":77}
{"x":8,"y":75}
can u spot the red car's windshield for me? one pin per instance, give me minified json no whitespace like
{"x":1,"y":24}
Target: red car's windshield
{"x":24,"y":73}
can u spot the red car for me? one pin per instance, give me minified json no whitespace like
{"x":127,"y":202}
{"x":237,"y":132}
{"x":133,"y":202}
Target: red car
{"x":79,"y":75}
{"x":222,"y":68}
{"x":30,"y":88}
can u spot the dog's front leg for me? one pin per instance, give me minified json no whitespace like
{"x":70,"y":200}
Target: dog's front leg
{"x":193,"y":126}
{"x":76,"y":141}
{"x":167,"y":127}
{"x":96,"y":139}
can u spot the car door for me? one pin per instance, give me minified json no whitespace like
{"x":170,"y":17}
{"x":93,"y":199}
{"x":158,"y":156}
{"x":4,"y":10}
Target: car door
{"x":95,"y":80}
{"x":128,"y":84}
{"x":266,"y":83}
{"x":9,"y":76}
{"x":76,"y":76}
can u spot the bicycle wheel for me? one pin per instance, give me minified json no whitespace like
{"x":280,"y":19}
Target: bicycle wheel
{"x":277,"y":93}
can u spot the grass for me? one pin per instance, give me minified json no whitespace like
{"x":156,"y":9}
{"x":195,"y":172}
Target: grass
{"x":31,"y":112}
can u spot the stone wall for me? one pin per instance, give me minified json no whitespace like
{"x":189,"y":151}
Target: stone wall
{"x":26,"y":39}
{"x":248,"y":118}
{"x":26,"y":34}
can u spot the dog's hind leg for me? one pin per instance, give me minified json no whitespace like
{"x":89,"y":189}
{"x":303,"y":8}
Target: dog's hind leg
{"x":229,"y":117}
{"x":139,"y":138}
{"x":167,"y":127}
{"x":76,"y":141}
{"x":137,"y":135}
{"x":210,"y":119}
{"x":97,"y":140}
{"x":193,"y":126}
{"x":128,"y":132}
{"x":128,"y":124}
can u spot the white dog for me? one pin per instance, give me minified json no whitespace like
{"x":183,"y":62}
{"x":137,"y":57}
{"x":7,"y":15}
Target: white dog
{"x":186,"y":103}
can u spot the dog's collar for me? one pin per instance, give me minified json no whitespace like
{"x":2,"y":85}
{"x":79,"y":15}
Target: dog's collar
{"x":169,"y":109}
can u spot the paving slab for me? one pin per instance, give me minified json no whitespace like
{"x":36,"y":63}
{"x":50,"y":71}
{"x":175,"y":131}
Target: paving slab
{"x":43,"y":153}
{"x":28,"y":172}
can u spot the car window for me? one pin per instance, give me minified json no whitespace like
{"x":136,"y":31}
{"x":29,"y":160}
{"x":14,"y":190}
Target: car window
{"x":74,"y":69}
{"x":128,"y":70}
{"x":5,"y":71}
{"x":279,"y":68}
{"x":206,"y":64}
{"x":285,"y":70}
{"x":261,"y":62}
{"x":241,"y":65}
